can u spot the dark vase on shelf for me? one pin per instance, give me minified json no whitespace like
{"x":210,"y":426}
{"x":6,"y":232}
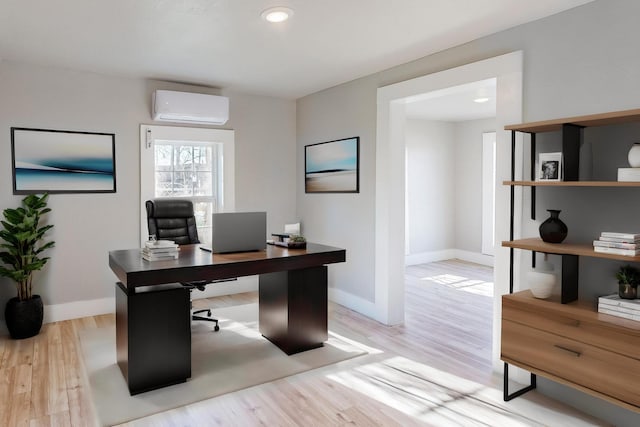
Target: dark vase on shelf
{"x":553,"y":230}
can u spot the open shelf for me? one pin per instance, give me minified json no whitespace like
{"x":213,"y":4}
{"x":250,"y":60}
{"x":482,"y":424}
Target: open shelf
{"x":579,"y":249}
{"x":573,"y":183}
{"x":604,"y":119}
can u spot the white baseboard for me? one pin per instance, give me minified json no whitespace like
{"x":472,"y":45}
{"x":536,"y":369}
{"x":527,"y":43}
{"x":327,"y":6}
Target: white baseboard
{"x":77,"y":309}
{"x":433,"y":256}
{"x":355,"y":303}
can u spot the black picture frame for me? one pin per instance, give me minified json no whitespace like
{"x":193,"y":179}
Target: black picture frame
{"x":62,"y":161}
{"x":332,"y":166}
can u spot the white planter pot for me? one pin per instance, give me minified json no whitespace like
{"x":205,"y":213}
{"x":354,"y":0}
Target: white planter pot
{"x":541,"y":284}
{"x":634,"y":155}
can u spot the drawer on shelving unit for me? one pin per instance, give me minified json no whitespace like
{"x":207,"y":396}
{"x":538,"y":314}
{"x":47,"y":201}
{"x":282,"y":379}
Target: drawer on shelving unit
{"x":604,"y":372}
{"x":574,"y":321}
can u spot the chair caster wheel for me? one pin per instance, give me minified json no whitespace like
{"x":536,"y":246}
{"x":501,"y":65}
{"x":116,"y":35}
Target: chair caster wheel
{"x":209,"y":313}
{"x":217,"y":328}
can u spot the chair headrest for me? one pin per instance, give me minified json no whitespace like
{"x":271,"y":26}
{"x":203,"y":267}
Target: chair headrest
{"x":169,"y":208}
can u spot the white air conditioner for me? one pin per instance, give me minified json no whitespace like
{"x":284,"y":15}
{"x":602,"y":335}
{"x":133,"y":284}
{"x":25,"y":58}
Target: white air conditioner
{"x":185,"y":107}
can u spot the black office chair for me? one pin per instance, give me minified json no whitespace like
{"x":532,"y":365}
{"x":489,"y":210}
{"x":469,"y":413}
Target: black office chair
{"x":170,"y":219}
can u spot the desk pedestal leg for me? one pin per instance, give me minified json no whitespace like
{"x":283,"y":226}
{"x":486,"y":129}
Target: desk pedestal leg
{"x":153,"y":336}
{"x":293,"y":308}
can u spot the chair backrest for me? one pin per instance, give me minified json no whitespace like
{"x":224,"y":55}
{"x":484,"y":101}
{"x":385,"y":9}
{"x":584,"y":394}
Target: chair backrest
{"x":171,"y":219}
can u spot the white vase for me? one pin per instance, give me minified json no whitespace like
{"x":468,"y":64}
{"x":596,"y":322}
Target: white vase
{"x":541,"y":283}
{"x":634,"y":155}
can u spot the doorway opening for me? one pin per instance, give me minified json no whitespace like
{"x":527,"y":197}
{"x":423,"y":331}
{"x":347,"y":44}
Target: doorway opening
{"x":449,"y":214}
{"x":391,"y":174}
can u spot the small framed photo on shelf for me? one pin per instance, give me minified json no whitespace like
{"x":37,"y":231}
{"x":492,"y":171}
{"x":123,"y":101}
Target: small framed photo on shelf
{"x":550,"y":167}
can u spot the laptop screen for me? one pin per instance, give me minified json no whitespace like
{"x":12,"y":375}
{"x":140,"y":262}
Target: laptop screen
{"x":239,"y":231}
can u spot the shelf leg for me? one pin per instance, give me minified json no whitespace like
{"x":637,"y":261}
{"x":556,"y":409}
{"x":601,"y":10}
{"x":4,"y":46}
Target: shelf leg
{"x":533,"y":175}
{"x":571,"y":135}
{"x":569,"y":278}
{"x":507,"y":396}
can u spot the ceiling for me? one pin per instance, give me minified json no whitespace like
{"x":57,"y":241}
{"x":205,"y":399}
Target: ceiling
{"x":225,"y":43}
{"x":455,"y":104}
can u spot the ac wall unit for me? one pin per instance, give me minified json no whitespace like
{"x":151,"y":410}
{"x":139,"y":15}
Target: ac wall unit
{"x":185,"y":107}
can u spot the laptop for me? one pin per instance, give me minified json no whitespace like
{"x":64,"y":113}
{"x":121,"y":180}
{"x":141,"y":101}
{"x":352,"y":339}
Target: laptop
{"x":239,"y":232}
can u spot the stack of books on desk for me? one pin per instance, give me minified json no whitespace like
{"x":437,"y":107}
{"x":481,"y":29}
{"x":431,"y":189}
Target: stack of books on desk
{"x":160,"y":250}
{"x":618,"y":243}
{"x":616,"y":306}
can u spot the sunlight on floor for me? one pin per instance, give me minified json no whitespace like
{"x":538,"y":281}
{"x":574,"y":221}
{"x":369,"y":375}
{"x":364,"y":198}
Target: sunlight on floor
{"x":440,"y":398}
{"x":347,"y":343}
{"x":475,"y":286}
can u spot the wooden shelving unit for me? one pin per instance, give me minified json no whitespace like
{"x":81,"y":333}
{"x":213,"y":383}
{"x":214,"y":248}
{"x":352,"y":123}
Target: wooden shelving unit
{"x":562,"y":338}
{"x":578,"y":249}
{"x":572,"y":183}
{"x":592,"y":120}
{"x":574,"y":345}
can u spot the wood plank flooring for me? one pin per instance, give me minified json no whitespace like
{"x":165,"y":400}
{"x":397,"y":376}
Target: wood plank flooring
{"x":446,"y":335}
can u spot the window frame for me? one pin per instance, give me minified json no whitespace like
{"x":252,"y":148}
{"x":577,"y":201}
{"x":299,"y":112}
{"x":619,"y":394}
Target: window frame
{"x":226,"y":155}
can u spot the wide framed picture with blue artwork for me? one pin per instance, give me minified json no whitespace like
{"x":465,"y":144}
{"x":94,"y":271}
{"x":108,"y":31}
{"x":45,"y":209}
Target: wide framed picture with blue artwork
{"x":61,"y":161}
{"x":332,"y":166}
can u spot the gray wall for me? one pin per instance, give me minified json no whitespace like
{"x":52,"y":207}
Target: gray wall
{"x":87,"y":226}
{"x":430,"y":185}
{"x":444,"y":184}
{"x":468,"y":182}
{"x":578,"y":62}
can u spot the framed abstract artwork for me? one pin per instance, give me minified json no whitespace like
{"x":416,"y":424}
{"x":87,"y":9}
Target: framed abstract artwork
{"x":58,"y":161}
{"x":333,"y":166}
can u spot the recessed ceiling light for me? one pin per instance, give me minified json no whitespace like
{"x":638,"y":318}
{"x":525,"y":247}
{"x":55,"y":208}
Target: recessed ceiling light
{"x":277,"y":14}
{"x":481,"y":100}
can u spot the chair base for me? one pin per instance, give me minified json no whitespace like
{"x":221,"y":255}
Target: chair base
{"x":195,"y":316}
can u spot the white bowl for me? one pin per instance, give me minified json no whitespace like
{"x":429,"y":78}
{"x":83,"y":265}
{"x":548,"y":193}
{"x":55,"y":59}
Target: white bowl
{"x":541,"y":284}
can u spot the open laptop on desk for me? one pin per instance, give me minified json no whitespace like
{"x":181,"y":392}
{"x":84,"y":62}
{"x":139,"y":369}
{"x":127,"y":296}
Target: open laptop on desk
{"x":239,"y":232}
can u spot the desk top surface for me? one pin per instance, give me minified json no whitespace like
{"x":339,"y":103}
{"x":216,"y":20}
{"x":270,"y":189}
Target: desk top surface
{"x":194,"y":263}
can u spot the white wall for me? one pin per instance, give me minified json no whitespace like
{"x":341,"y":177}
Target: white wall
{"x":468,"y":183}
{"x":88,"y":226}
{"x":578,"y":62}
{"x":430,"y":185}
{"x":444,"y":190}
{"x":343,"y":220}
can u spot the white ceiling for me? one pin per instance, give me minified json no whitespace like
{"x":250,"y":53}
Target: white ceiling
{"x":455,"y":104}
{"x":224,"y":43}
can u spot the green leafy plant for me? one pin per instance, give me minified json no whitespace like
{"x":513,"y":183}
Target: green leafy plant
{"x":23,"y":243}
{"x":294,"y":238}
{"x":628,"y":275}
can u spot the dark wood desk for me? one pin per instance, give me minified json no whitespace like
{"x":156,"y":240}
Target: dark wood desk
{"x":153,"y":335}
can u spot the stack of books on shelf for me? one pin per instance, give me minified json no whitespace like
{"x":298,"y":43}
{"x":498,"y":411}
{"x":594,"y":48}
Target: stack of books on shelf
{"x":616,"y":306}
{"x":629,"y":174}
{"x":160,"y":250}
{"x":618,"y":243}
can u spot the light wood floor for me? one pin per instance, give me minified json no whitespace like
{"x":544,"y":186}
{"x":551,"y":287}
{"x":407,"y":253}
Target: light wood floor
{"x":448,"y":328}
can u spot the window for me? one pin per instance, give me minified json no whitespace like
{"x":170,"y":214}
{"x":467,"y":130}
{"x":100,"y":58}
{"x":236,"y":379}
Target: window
{"x":189,"y":170}
{"x":188,"y":163}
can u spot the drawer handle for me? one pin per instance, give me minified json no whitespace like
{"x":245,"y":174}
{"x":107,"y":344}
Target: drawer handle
{"x":575,"y":353}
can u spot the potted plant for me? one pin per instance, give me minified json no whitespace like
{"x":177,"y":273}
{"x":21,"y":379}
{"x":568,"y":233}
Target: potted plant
{"x":628,"y":279}
{"x":20,"y":254}
{"x":297,"y":241}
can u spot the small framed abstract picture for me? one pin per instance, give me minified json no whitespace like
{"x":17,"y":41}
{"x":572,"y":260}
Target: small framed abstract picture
{"x":333,"y":166}
{"x":57,"y":161}
{"x":550,"y":167}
